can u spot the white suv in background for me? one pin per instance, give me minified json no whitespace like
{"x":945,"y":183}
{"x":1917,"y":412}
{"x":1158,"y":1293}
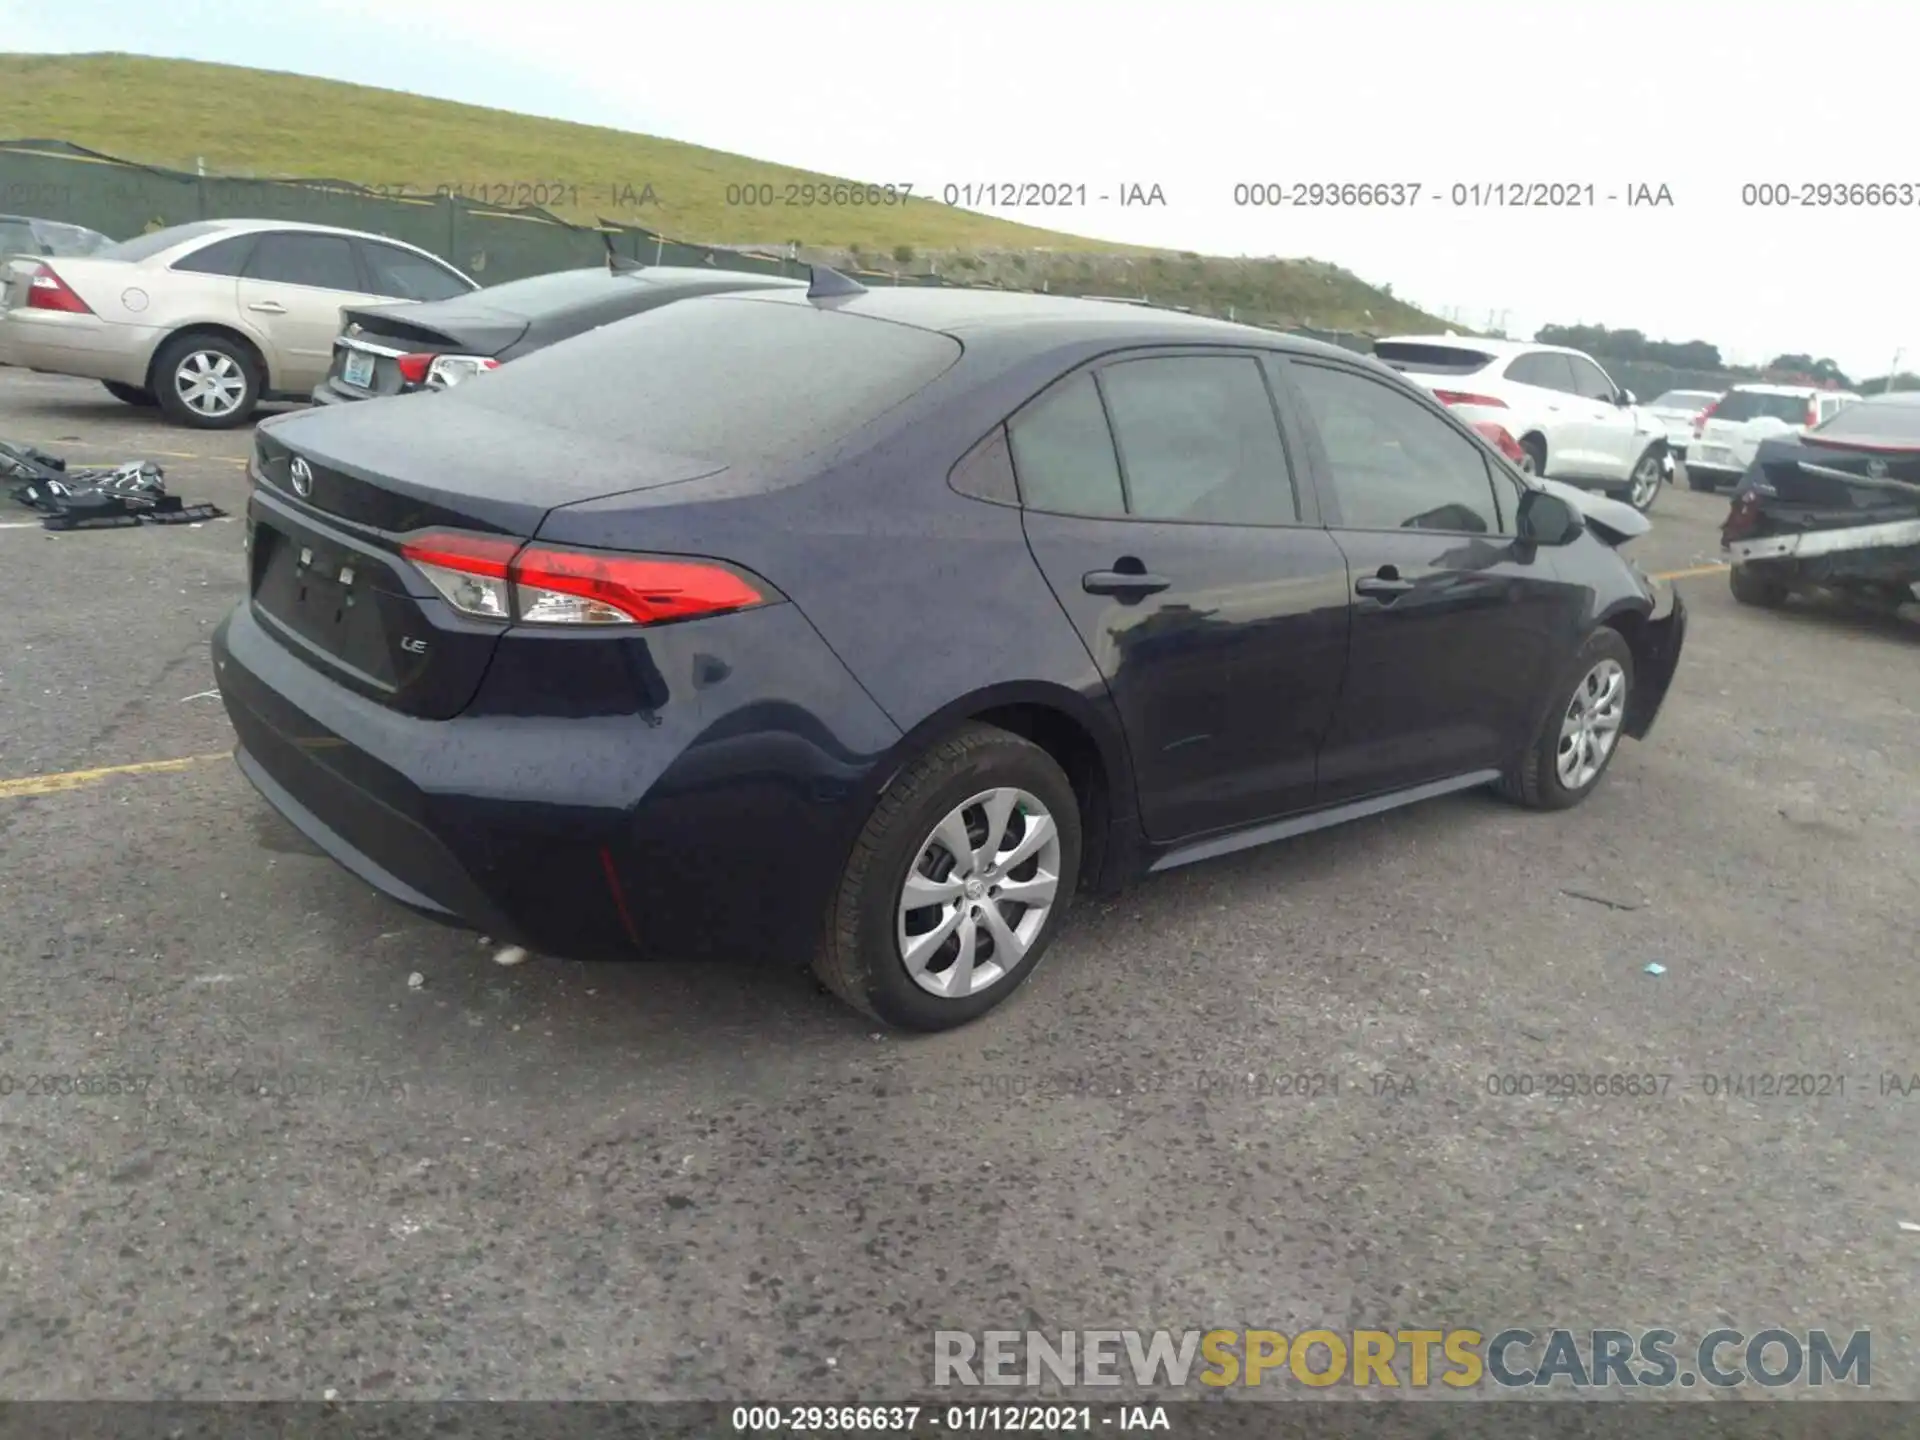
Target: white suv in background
{"x":1569,"y":417}
{"x":1677,"y":410}
{"x":1726,"y":436}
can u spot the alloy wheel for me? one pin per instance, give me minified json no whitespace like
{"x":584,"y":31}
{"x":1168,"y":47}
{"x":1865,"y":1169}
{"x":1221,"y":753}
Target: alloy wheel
{"x":210,"y":383}
{"x":1591,"y":726}
{"x":979,"y":892}
{"x":1646,"y":481}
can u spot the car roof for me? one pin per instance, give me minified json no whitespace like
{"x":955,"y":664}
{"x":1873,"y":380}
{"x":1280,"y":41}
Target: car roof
{"x":238,"y":225}
{"x":1047,"y":319}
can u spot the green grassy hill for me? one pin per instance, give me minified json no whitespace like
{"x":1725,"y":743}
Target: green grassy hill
{"x":178,"y":112}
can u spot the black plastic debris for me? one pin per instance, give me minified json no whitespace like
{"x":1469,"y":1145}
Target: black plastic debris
{"x":112,"y":497}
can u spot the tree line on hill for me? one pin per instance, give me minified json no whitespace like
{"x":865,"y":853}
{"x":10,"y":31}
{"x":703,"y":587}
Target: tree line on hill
{"x":1633,"y":347}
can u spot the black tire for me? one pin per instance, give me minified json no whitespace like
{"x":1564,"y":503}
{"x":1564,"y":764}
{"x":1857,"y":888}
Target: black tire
{"x":1651,"y":456}
{"x":1536,"y":461}
{"x":1534,"y":778}
{"x":1756,"y":585}
{"x":130,"y":394}
{"x":859,"y":955}
{"x":1704,"y":483}
{"x":178,"y":352}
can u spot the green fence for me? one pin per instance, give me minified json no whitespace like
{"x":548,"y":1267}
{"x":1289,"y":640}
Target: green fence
{"x":55,"y":180}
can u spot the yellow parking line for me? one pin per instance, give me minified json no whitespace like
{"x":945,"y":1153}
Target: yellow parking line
{"x":1684,"y":574}
{"x":78,"y":779}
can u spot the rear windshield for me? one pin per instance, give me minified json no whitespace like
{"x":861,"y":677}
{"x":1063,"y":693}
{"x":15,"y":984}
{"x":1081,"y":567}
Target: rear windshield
{"x":1432,"y":359}
{"x":142,"y":247}
{"x":70,"y":239}
{"x":721,"y":378}
{"x":1874,"y":422}
{"x":1754,"y":404}
{"x":1686,"y":400}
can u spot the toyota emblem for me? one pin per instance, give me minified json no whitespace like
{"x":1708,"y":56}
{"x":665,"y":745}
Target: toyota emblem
{"x":302,"y":476}
{"x":1877,"y":468}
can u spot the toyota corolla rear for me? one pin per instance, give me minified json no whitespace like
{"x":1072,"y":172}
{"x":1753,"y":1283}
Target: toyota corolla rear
{"x":580,"y":747}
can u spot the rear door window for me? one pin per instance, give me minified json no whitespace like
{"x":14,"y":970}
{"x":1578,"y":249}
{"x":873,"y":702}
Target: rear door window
{"x":223,"y":257}
{"x":295,"y":257}
{"x":1198,"y":440}
{"x":1545,"y":369}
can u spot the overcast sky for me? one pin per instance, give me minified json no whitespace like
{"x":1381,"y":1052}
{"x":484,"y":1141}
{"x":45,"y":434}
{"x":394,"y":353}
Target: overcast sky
{"x":1701,"y":98}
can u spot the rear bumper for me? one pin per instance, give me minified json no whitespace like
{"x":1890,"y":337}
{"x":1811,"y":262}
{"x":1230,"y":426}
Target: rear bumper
{"x":331,"y":391}
{"x":707,"y":817}
{"x":328,"y":393}
{"x":81,"y":345}
{"x":1806,"y":544}
{"x":1655,"y":661}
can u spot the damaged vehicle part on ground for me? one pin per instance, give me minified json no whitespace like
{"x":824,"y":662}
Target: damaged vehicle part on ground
{"x":866,"y":628}
{"x":1836,"y":508}
{"x":95,"y":498}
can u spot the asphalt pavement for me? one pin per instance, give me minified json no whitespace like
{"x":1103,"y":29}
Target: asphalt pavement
{"x":557,"y":1180}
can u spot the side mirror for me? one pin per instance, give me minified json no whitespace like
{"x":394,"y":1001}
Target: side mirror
{"x":1626,"y":398}
{"x":1546,"y":519}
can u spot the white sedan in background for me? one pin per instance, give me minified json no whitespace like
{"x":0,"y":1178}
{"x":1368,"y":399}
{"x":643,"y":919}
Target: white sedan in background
{"x":1574,"y":424}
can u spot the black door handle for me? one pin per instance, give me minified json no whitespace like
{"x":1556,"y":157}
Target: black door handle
{"x":1385,"y":588}
{"x":1123,"y":582}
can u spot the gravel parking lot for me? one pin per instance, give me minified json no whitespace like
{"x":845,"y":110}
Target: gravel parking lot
{"x":560,"y":1180}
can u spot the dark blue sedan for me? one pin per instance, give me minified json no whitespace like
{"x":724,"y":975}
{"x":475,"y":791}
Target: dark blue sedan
{"x":866,"y":628}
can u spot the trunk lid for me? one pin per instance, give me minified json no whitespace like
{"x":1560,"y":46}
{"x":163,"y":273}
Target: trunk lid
{"x":325,"y":570}
{"x":1804,"y":484}
{"x":372,"y":338}
{"x":97,"y":281}
{"x":463,"y":324}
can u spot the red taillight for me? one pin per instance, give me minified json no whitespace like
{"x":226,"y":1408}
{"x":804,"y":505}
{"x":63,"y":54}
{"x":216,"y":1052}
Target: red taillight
{"x":1462,"y":397}
{"x":442,"y":372}
{"x":647,"y":591}
{"x":1700,"y":420}
{"x":1742,"y":519}
{"x":541,"y":585}
{"x":47,"y":291}
{"x":1501,"y":439}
